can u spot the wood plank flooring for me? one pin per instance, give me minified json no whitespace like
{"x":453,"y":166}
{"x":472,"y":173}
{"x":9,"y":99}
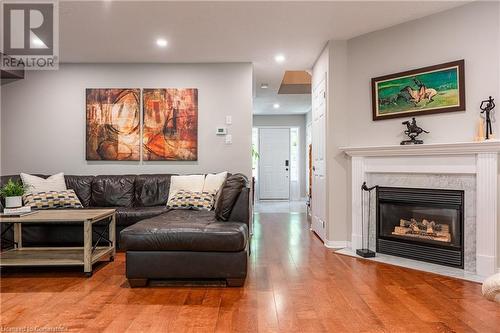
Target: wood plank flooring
{"x":294,"y":284}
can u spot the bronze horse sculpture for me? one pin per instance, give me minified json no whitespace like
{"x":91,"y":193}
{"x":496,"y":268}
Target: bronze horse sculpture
{"x":412,"y":131}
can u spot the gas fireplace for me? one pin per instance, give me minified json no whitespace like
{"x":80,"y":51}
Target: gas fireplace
{"x":421,"y":224}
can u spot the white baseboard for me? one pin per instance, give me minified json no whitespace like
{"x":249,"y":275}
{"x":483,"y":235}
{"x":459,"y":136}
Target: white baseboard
{"x":337,"y":244}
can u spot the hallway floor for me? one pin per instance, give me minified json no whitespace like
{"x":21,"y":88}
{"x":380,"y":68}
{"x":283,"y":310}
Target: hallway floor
{"x":270,"y":206}
{"x":294,"y":284}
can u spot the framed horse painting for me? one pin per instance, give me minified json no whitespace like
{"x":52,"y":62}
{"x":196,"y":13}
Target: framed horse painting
{"x":433,"y":89}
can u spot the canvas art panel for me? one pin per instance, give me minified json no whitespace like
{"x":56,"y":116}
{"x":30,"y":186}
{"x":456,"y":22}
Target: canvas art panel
{"x":170,"y":124}
{"x":113,"y":124}
{"x":434,"y":89}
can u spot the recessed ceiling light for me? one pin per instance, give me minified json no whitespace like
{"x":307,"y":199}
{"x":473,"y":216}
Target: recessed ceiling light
{"x":279,"y":58}
{"x":264,"y":86}
{"x":161,"y":42}
{"x":276,"y":106}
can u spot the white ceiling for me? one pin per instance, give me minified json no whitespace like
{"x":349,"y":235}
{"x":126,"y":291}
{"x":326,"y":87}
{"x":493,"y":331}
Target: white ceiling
{"x":126,"y":31}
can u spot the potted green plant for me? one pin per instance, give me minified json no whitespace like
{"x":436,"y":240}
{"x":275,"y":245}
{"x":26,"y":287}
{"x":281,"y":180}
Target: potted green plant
{"x":13,"y":192}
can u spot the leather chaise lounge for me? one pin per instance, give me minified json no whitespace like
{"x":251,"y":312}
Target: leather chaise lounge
{"x":186,"y":244}
{"x":159,"y":243}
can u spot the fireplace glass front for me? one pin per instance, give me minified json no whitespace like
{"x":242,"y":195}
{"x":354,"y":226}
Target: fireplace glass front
{"x":422,"y":224}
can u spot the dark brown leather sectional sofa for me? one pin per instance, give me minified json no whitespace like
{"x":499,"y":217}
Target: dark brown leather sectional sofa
{"x":159,"y":243}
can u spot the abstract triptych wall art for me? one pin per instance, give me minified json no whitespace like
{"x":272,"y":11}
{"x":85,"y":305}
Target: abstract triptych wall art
{"x":113,"y":124}
{"x":170,"y":129}
{"x":169,"y":124}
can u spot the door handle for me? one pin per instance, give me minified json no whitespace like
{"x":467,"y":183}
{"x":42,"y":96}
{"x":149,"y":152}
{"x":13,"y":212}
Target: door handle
{"x":286,"y":169}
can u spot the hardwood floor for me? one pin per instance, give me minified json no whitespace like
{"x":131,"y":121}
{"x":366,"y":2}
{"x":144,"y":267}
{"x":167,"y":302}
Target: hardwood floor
{"x":294,"y":284}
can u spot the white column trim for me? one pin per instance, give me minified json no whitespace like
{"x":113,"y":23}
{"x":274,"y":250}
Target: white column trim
{"x":486,"y":213}
{"x":358,"y":177}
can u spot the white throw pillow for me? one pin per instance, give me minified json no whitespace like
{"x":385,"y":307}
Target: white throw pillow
{"x":214,"y":182}
{"x":36,"y":184}
{"x":190,"y":183}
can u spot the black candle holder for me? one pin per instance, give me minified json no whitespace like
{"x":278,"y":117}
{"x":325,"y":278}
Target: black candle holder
{"x":365,"y":252}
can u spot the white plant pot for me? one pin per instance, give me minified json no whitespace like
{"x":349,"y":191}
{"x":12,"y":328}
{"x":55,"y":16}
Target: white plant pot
{"x":13,"y":202}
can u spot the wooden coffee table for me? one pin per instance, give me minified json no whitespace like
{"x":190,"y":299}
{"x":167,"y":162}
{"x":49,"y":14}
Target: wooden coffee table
{"x":84,"y":256}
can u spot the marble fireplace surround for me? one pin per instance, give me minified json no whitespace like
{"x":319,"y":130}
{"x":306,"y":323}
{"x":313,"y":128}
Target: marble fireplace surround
{"x":469,"y":166}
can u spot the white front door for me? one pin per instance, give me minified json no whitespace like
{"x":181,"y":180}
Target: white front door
{"x":274,"y":163}
{"x":318,"y":206}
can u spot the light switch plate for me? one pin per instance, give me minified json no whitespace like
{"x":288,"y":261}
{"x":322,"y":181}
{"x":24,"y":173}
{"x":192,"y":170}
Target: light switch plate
{"x":221,"y":131}
{"x":229,"y":120}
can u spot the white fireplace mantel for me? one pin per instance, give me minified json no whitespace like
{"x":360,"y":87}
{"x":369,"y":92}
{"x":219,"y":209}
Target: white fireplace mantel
{"x":477,"y":158}
{"x":459,"y":148}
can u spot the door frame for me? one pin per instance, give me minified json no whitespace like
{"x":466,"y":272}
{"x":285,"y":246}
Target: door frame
{"x":318,"y":226}
{"x":309,"y":159}
{"x":257,"y":185}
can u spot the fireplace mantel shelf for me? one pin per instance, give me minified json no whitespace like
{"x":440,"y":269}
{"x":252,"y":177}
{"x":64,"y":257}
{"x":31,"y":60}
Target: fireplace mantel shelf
{"x":459,"y":148}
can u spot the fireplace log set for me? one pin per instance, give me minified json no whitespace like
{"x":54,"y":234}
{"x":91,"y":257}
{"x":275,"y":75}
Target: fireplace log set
{"x":424,"y":229}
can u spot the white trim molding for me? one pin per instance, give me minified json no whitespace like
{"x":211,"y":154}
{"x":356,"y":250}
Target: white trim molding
{"x":486,"y":213}
{"x":459,"y":148}
{"x":337,"y":244}
{"x":476,"y":158}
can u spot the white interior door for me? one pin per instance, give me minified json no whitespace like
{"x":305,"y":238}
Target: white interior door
{"x":318,"y":203}
{"x":308,"y":142}
{"x":274,"y":163}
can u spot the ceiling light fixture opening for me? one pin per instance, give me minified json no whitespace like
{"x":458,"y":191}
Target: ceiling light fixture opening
{"x":264,"y":86}
{"x":161,"y":42}
{"x":279,"y":58}
{"x":276,"y":106}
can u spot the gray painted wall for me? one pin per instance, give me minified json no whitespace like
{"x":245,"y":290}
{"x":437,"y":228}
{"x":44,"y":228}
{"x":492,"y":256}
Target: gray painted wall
{"x":293,"y":121}
{"x":460,"y":33}
{"x":43,"y":117}
{"x":470,"y":32}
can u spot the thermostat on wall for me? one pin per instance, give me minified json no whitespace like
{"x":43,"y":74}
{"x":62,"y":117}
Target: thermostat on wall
{"x":221,"y":131}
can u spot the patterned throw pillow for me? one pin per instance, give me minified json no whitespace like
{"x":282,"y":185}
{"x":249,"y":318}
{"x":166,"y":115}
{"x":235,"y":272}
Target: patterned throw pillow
{"x":192,"y":200}
{"x":52,"y":200}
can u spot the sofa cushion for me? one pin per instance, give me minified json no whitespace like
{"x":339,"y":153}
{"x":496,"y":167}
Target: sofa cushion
{"x":185,"y":230}
{"x":113,"y":191}
{"x":82,"y":185}
{"x":229,"y":193}
{"x":151,"y":190}
{"x":129,"y":215}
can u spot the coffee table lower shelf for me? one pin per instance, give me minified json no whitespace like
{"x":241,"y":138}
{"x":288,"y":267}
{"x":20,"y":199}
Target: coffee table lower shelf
{"x":60,"y":256}
{"x":85,"y":256}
